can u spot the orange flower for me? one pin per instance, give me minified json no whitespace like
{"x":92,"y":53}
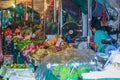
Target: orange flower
{"x":17,"y":30}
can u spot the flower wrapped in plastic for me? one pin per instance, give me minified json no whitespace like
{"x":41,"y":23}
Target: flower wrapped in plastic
{"x":65,"y":64}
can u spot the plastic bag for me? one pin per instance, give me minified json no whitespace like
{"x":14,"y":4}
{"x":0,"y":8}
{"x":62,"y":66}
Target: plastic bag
{"x":72,"y":58}
{"x":112,"y":12}
{"x":8,"y":59}
{"x":69,"y":55}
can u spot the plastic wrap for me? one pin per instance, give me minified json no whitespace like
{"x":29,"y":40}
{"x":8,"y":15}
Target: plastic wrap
{"x":22,"y":75}
{"x":69,"y":55}
{"x":8,"y":59}
{"x":19,"y":74}
{"x":66,"y":61}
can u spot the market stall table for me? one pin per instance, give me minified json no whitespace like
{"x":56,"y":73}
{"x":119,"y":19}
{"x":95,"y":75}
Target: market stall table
{"x":17,"y":72}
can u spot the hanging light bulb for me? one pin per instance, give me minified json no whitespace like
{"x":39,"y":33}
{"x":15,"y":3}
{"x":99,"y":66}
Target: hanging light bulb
{"x":13,"y":5}
{"x":45,"y":5}
{"x":57,"y":4}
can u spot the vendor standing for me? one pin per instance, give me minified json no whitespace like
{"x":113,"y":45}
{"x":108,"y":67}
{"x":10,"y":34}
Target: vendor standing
{"x":98,"y":36}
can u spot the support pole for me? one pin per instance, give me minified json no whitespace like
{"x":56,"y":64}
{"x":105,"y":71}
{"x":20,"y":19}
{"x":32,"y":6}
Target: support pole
{"x":0,"y":21}
{"x":58,"y":18}
{"x":44,"y":14}
{"x":1,"y":52}
{"x":85,"y":25}
{"x":0,"y":17}
{"x":88,"y":22}
{"x":15,"y":11}
{"x":54,"y":10}
{"x":61,"y":22}
{"x":32,"y":11}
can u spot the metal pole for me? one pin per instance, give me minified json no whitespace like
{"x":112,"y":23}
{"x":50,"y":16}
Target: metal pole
{"x":32,"y":11}
{"x":0,"y":19}
{"x":58,"y":19}
{"x":88,"y":23}
{"x":15,"y":11}
{"x":61,"y":17}
{"x":54,"y":10}
{"x":44,"y":14}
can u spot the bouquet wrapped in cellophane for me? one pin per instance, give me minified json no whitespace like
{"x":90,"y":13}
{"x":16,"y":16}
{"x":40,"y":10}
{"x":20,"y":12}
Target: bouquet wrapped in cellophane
{"x":65,"y":64}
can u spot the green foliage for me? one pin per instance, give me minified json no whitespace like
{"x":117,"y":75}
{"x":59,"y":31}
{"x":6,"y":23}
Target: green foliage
{"x":82,"y":69}
{"x":23,"y":43}
{"x":64,"y":72}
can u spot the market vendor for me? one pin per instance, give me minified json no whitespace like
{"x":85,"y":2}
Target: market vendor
{"x":98,"y":36}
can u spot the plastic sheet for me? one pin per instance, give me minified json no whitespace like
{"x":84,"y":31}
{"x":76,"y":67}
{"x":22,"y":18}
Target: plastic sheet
{"x":42,"y":73}
{"x":72,"y":58}
{"x":69,"y":55}
{"x":46,"y":73}
{"x":18,"y":73}
{"x":22,"y":75}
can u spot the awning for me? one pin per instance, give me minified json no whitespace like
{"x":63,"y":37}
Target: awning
{"x":82,"y":4}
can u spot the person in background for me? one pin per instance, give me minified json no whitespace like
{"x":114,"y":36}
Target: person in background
{"x":98,"y":36}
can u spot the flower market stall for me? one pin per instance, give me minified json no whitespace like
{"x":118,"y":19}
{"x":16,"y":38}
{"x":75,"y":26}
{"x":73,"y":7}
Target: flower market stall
{"x":46,"y":41}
